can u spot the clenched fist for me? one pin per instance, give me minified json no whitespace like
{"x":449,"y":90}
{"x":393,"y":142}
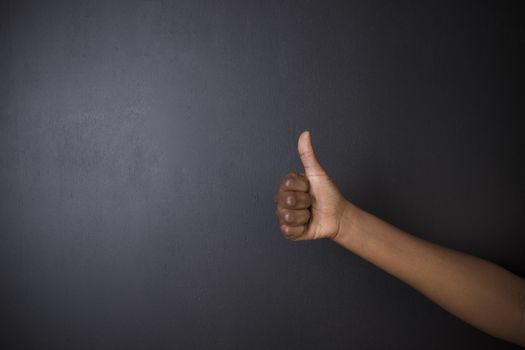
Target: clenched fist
{"x":309,"y":205}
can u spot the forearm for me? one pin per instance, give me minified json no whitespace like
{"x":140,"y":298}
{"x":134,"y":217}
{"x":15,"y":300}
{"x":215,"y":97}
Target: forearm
{"x":477,"y":291}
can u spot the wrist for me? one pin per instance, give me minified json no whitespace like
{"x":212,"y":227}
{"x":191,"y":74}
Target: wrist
{"x":346,"y":222}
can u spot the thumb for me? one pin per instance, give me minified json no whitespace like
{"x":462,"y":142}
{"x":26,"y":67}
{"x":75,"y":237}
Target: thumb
{"x":307,"y":154}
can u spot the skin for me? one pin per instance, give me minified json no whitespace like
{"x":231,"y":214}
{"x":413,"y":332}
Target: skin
{"x":490,"y":298}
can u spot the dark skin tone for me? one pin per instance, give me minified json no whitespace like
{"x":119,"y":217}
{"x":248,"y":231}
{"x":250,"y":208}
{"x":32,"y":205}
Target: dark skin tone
{"x":490,"y":298}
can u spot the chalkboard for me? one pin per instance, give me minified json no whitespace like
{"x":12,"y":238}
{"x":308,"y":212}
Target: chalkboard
{"x":142,"y":143}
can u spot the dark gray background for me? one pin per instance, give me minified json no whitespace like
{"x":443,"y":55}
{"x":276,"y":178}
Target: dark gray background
{"x":142,"y":143}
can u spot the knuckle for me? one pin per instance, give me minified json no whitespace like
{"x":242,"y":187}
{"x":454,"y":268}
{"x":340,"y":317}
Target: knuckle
{"x":288,"y":216}
{"x":290,"y":200}
{"x":289,"y":176}
{"x":287,"y":181}
{"x":306,"y":154}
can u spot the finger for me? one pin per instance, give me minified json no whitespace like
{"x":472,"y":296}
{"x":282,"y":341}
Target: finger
{"x":291,"y":232}
{"x":293,"y":217}
{"x":307,"y":154}
{"x":295,"y":182}
{"x":294,"y":200}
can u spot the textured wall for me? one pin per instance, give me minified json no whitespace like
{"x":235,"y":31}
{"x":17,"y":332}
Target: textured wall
{"x":142,"y":142}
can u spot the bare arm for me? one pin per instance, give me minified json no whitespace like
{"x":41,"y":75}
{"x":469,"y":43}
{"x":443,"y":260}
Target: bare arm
{"x":477,"y":291}
{"x":309,"y":206}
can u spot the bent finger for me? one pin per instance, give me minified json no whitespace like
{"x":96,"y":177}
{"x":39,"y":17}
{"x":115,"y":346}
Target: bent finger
{"x":295,"y":182}
{"x":294,"y":200}
{"x":292,"y":232}
{"x":294,"y":217}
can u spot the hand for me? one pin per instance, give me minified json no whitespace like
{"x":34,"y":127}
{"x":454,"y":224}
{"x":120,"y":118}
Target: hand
{"x":309,"y":205}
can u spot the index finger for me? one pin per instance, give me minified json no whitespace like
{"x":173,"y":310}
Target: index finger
{"x":295,"y":182}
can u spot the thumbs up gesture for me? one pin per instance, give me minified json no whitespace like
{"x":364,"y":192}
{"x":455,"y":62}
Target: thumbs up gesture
{"x":309,"y":205}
